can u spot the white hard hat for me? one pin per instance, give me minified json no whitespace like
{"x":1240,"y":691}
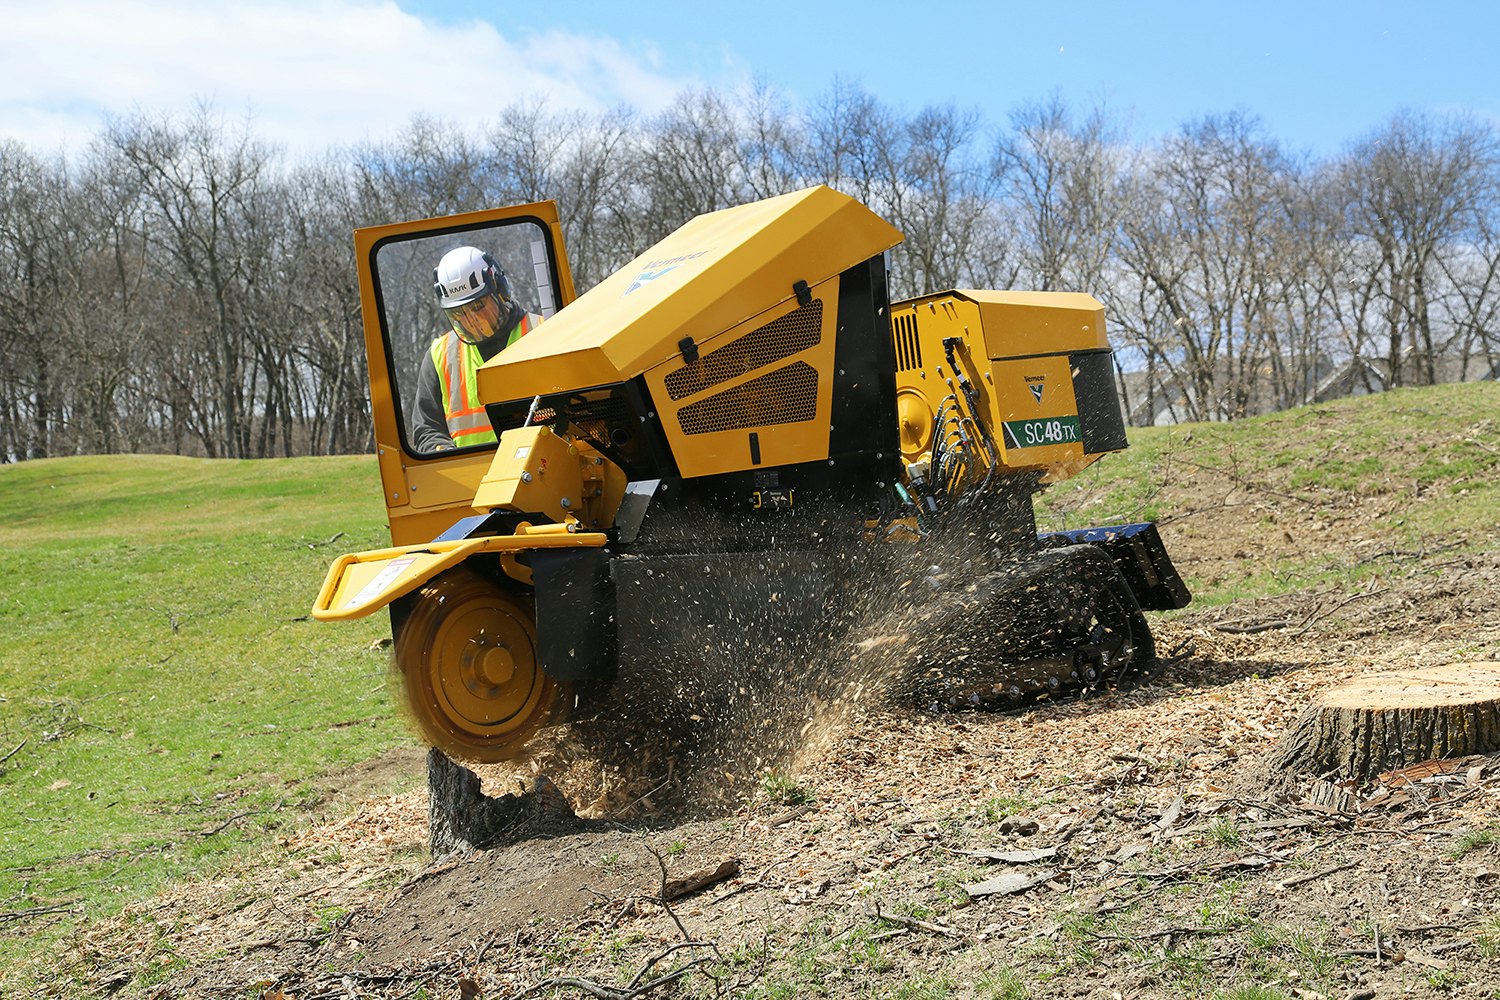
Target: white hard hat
{"x":468,"y":273}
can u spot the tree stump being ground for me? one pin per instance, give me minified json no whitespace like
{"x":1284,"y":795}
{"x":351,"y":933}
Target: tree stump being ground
{"x":1387,"y":721}
{"x":460,"y":817}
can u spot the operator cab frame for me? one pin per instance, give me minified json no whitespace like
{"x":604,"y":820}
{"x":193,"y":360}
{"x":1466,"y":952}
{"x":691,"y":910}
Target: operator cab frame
{"x":426,"y":491}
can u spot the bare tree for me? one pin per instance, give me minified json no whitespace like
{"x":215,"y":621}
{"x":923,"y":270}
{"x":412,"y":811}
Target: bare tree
{"x":211,"y":224}
{"x":1063,"y":180}
{"x":1410,"y":193}
{"x":33,"y":259}
{"x":1208,"y":241}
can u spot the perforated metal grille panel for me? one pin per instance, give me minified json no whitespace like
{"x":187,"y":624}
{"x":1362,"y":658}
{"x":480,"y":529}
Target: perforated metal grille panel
{"x":597,"y":419}
{"x":785,"y":396}
{"x":796,"y":331}
{"x":908,"y":347}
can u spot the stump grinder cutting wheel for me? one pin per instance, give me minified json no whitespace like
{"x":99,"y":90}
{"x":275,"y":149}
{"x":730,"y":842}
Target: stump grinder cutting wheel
{"x":466,"y":656}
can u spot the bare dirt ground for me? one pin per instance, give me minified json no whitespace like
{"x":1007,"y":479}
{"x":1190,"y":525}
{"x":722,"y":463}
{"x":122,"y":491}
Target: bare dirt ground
{"x":1126,"y":845}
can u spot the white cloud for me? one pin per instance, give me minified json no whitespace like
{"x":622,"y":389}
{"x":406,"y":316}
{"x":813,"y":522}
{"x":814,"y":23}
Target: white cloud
{"x":309,"y":74}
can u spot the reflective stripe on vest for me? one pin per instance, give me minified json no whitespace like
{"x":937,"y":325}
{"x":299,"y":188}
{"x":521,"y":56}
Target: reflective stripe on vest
{"x":456,"y":363}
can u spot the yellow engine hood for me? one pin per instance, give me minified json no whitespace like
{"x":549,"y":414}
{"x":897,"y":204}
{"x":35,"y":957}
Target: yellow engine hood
{"x":705,"y":278}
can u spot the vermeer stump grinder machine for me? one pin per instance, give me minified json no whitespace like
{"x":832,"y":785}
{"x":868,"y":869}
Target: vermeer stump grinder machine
{"x":733,"y":443}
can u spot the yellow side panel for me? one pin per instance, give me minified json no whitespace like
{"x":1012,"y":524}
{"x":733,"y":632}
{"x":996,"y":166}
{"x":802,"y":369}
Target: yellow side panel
{"x":771,"y":376}
{"x":1021,"y":323}
{"x":712,"y":275}
{"x":1036,"y":414}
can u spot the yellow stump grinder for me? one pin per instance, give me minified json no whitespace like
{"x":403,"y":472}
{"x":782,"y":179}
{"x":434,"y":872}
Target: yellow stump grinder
{"x":729,"y":443}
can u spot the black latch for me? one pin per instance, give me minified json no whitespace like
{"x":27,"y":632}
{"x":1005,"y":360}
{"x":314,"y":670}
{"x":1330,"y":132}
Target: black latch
{"x":804,"y":294}
{"x":689,"y":350}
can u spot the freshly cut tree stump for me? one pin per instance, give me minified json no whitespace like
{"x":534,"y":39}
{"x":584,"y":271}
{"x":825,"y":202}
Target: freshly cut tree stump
{"x":1387,"y":721}
{"x":460,"y":817}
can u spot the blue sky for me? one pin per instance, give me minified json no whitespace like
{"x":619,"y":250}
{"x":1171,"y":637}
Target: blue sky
{"x":309,"y":73}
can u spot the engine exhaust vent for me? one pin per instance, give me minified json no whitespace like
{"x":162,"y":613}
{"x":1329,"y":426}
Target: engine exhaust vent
{"x":908,"y":347}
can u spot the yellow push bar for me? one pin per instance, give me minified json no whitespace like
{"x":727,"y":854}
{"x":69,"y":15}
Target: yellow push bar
{"x":364,"y":582}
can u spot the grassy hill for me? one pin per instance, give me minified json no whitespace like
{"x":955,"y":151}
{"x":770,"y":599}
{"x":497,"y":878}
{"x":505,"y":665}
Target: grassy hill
{"x":1324,"y":494}
{"x":164,"y":701}
{"x":166,"y":706}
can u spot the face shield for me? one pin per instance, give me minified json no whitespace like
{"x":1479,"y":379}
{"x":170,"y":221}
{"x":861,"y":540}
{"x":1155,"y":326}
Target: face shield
{"x":476,"y":321}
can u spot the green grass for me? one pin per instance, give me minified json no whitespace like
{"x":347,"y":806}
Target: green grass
{"x":1428,"y":460}
{"x":783,"y":790}
{"x":1487,"y":941}
{"x":171,"y":702}
{"x":1473,"y":840}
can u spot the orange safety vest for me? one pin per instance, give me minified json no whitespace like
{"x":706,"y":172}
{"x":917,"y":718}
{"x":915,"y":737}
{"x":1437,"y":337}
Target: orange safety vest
{"x":456,"y":363}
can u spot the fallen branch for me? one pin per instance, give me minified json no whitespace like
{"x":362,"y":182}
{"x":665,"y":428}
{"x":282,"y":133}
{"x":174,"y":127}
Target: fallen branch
{"x":787,"y":817}
{"x":701,"y":879}
{"x":38,"y":911}
{"x":1253,"y":629}
{"x":913,"y":922}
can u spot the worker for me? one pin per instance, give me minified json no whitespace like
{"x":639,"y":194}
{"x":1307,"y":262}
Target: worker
{"x":484,"y":319}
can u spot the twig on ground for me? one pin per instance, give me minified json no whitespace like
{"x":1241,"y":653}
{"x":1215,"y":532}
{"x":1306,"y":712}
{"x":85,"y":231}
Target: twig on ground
{"x":1303,"y":879}
{"x":663,"y":898}
{"x":1253,"y":629}
{"x":1170,"y":932}
{"x":602,"y":992}
{"x":38,"y":911}
{"x":239,"y":816}
{"x":1321,"y":614}
{"x":669,"y":950}
{"x":787,"y":817}
{"x":759,"y":882}
{"x":15,"y":751}
{"x":913,"y":922}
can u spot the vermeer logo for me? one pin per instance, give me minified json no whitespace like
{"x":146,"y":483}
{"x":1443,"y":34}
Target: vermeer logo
{"x":646,"y":277}
{"x":1036,"y":383}
{"x":656,"y":268}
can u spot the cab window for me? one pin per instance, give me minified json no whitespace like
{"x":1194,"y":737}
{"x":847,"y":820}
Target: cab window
{"x":417,"y":328}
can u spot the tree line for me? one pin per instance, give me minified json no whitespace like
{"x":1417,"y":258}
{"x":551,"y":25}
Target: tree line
{"x":181,"y":286}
